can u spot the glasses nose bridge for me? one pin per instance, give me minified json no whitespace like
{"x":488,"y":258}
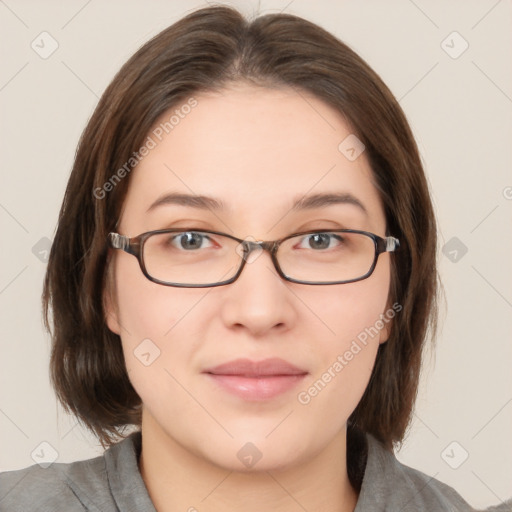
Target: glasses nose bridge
{"x":252,"y":245}
{"x":249,"y":246}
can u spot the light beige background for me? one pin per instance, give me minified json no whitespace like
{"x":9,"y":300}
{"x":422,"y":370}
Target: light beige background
{"x":460,"y":110}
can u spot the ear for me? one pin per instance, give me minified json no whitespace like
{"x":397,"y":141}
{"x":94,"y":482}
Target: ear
{"x":385,"y":331}
{"x":388,"y":324}
{"x":109,"y":301}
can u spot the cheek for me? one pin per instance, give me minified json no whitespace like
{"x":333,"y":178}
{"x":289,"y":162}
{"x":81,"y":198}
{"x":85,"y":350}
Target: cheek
{"x":158,"y":347}
{"x":335,"y":388}
{"x":344,"y":313}
{"x":351,"y":319}
{"x":150,"y":310}
{"x":162,"y":329}
{"x":334,"y":392}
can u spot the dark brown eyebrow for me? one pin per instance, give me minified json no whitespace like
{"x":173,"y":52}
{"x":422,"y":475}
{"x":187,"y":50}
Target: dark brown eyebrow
{"x":320,"y":200}
{"x":304,"y":203}
{"x":193,"y":201}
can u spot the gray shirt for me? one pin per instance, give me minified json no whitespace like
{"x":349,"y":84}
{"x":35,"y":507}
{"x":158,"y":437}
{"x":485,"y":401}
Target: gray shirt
{"x":112,"y":483}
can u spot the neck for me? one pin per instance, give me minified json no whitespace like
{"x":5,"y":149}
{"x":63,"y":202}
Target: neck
{"x":178,"y":479}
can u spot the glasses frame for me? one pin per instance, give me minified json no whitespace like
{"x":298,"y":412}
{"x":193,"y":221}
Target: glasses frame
{"x":135,"y":246}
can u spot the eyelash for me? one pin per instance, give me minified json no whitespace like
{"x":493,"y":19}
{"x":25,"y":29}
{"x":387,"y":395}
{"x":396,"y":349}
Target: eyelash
{"x":333,"y":237}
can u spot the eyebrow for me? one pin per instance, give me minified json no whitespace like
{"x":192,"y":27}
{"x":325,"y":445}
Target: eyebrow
{"x":304,"y":203}
{"x":319,"y":200}
{"x":193,"y":201}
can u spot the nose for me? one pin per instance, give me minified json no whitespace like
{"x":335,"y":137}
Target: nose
{"x":259,"y":301}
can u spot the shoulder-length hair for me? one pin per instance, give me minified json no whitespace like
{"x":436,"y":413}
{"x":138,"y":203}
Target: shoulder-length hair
{"x":205,"y":51}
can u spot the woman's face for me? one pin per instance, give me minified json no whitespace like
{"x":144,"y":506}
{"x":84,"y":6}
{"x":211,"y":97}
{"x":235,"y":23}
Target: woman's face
{"x":256,"y":151}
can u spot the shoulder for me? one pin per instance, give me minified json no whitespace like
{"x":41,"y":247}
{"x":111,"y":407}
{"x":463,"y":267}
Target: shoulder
{"x":390,"y":483}
{"x":426,"y":491}
{"x":75,"y":486}
{"x":108,"y":483}
{"x":432,"y":491}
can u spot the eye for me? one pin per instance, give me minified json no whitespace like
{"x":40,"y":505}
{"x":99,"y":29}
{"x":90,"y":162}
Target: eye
{"x":190,"y":240}
{"x":320,"y":241}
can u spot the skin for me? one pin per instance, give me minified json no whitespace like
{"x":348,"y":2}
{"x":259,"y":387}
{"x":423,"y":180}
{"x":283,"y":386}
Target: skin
{"x":257,"y":150}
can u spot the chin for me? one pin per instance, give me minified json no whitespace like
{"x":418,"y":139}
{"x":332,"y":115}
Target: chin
{"x":255,"y":453}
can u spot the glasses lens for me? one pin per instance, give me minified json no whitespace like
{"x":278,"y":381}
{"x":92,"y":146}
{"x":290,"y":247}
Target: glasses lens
{"x":191,"y":257}
{"x":201,"y":258}
{"x":327,"y":256}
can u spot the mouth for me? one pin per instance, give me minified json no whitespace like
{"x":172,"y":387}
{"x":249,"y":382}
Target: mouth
{"x":256,"y":380}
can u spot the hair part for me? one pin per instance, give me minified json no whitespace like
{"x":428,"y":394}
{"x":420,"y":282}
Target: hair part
{"x":207,"y":51}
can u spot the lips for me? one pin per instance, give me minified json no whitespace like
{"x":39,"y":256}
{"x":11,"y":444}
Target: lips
{"x":248,"y":368}
{"x":256,"y":381}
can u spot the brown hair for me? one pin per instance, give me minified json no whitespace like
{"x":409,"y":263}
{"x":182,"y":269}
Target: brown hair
{"x":207,"y":50}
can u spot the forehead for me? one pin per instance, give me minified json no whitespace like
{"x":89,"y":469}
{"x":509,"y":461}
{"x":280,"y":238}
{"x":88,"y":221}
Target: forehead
{"x":258,"y":150}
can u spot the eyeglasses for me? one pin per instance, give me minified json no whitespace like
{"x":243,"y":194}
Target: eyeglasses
{"x":193,"y":258}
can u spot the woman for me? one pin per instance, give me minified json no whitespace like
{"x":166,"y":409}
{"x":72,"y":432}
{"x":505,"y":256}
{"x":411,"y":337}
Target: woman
{"x":244,"y":270}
